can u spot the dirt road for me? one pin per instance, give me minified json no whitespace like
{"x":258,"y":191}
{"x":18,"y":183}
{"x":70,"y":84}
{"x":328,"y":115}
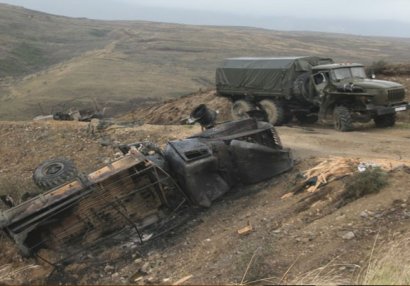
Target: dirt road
{"x":366,"y":142}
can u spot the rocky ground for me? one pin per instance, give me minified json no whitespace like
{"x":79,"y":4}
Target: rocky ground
{"x":290,"y":236}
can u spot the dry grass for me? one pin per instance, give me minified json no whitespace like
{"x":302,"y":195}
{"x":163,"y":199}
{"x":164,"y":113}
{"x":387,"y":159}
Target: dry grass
{"x":19,"y":189}
{"x":390,"y":266}
{"x":331,"y":274}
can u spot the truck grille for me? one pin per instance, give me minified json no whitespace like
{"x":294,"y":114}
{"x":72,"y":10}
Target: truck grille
{"x":396,"y":94}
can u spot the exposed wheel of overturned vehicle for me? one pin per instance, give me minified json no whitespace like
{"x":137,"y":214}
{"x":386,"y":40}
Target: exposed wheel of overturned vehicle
{"x":274,"y":110}
{"x":240,"y":108}
{"x":54,"y":172}
{"x":342,"y":119}
{"x":304,"y":117}
{"x":387,"y":120}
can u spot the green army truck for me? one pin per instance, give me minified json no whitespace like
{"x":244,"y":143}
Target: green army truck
{"x":310,"y":89}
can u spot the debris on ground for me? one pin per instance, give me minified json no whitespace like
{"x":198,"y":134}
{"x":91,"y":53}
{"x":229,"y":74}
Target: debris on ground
{"x":336,"y":168}
{"x":79,"y":115}
{"x":245,"y":230}
{"x":182,"y":280}
{"x":330,"y":170}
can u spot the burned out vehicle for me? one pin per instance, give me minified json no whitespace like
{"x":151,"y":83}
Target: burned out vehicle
{"x":79,"y":115}
{"x":309,"y":88}
{"x":145,"y":189}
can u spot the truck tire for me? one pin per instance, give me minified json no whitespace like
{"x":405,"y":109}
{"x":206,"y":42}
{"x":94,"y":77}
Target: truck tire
{"x":240,"y":108}
{"x":304,"y":117}
{"x":342,"y":119}
{"x":383,"y":121}
{"x":53,"y":173}
{"x":274,"y":111}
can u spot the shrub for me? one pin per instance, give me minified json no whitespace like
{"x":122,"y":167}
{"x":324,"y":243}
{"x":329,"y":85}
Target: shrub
{"x":367,"y":182}
{"x":378,"y":67}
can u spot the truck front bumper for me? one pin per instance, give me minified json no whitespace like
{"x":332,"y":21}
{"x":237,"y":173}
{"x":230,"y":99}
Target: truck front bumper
{"x":382,"y":110}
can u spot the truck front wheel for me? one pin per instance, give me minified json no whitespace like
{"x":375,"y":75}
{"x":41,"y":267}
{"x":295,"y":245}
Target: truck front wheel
{"x":240,"y":108}
{"x":274,"y":111}
{"x":342,"y":119}
{"x":387,"y":120}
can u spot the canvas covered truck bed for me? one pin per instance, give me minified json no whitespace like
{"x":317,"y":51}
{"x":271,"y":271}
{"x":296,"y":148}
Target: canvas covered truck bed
{"x":268,"y":75}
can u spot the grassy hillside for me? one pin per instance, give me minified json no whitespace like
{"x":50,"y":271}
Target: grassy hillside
{"x":51,"y":63}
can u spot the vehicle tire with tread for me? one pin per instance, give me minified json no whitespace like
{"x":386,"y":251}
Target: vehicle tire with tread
{"x":240,"y":108}
{"x":342,"y":119}
{"x":53,"y":173}
{"x":383,"y":121}
{"x":304,"y":117}
{"x":274,"y":110}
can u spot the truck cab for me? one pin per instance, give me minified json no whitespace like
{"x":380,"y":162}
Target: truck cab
{"x":344,"y":92}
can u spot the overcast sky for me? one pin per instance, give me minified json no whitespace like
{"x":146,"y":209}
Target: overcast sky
{"x":368,"y":17}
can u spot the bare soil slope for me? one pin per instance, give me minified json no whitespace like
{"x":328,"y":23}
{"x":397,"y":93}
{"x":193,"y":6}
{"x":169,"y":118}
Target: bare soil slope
{"x":290,"y":236}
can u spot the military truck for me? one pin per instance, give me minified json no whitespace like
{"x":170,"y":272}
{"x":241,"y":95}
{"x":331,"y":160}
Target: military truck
{"x":310,"y":89}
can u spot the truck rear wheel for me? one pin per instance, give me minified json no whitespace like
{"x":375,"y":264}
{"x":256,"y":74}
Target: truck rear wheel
{"x":240,"y":108}
{"x":274,"y":111}
{"x":387,"y":120}
{"x":53,"y":173}
{"x":342,"y":119}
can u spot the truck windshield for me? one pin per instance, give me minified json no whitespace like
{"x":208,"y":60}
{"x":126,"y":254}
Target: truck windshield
{"x":348,"y":72}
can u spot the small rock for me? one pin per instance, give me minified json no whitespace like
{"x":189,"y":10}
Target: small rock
{"x":340,"y":217}
{"x":105,"y":142}
{"x":115,"y":275}
{"x":109,"y":268}
{"x":276,"y":230}
{"x":145,"y":267}
{"x":364,"y":214}
{"x":348,"y":235}
{"x":138,"y":261}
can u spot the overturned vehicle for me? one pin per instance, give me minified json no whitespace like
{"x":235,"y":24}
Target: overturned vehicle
{"x":144,"y":190}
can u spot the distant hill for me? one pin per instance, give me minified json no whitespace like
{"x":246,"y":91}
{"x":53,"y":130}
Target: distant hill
{"x":50,"y":63}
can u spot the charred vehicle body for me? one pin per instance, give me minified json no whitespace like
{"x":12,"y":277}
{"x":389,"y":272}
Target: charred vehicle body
{"x":143,"y":190}
{"x":309,"y":88}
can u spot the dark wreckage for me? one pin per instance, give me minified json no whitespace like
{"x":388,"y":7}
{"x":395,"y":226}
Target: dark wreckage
{"x":143,"y":189}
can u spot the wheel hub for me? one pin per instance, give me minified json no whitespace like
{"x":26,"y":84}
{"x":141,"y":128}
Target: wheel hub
{"x":53,"y":169}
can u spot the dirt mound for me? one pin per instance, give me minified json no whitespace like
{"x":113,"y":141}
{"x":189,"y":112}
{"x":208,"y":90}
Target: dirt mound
{"x":177,"y":110}
{"x":392,"y":70}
